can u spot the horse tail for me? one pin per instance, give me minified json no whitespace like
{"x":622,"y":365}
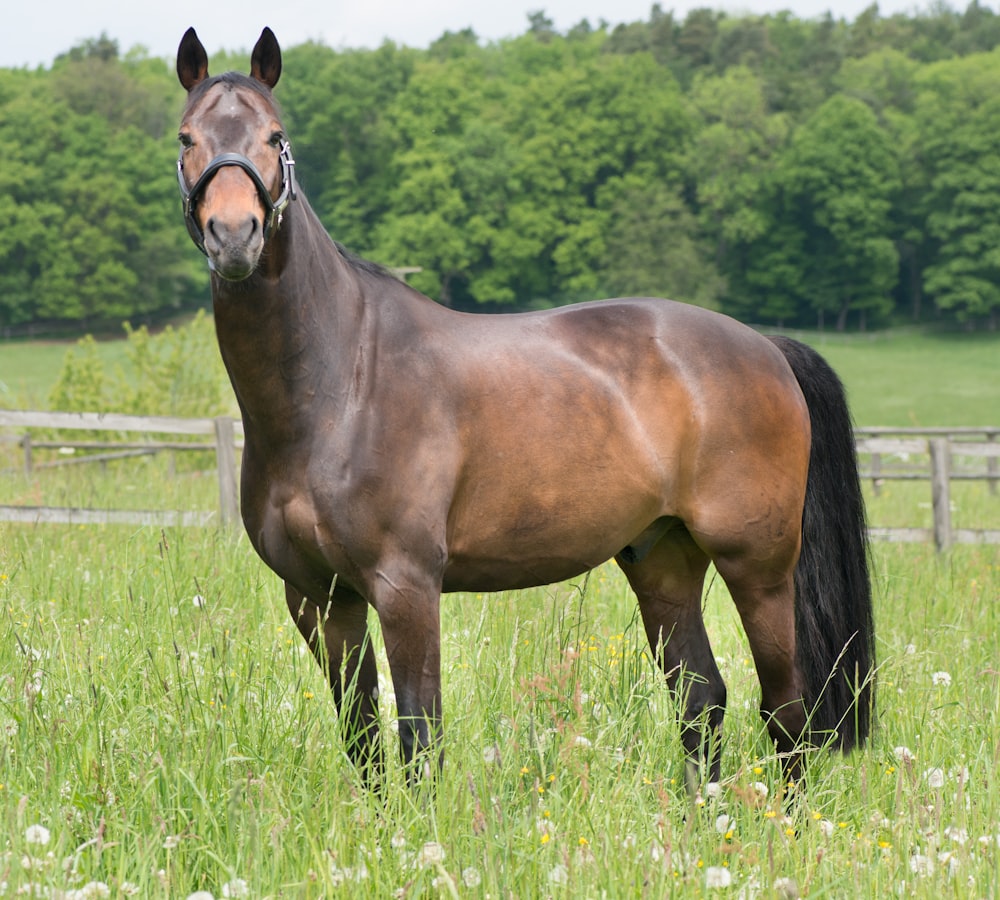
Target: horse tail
{"x":834,"y":624}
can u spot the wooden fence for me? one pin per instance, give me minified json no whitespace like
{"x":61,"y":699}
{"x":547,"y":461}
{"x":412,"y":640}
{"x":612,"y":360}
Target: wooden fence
{"x":937,"y":455}
{"x":221,"y":434}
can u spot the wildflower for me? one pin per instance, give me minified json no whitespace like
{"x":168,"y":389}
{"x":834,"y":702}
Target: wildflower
{"x":581,"y":741}
{"x":921,"y":865}
{"x":491,"y":755}
{"x":559,"y":874}
{"x":92,"y":890}
{"x":398,"y":840}
{"x":236,"y":888}
{"x":904,"y":754}
{"x":471,"y":877}
{"x":959,"y":835}
{"x":171,"y":841}
{"x":934,"y":778}
{"x":826,"y":827}
{"x":198,"y":601}
{"x":713,"y":790}
{"x":786,"y":888}
{"x":431,"y":854}
{"x":722,"y":823}
{"x":942,"y":679}
{"x":717,"y":877}
{"x":37,"y":834}
{"x":200,"y":895}
{"x":760,"y":788}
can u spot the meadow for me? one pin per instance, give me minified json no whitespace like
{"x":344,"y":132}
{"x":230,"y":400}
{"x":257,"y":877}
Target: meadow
{"x":163,"y":730}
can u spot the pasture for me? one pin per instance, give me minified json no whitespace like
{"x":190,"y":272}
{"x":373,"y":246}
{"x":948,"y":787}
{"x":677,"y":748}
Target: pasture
{"x":163,"y":730}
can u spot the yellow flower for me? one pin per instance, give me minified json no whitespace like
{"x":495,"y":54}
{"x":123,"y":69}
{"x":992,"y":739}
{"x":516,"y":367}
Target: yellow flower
{"x":546,"y":838}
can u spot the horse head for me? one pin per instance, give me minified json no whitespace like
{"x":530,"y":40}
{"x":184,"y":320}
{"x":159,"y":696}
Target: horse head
{"x":235,"y":168}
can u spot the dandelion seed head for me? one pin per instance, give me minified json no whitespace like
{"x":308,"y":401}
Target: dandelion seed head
{"x":942,"y":679}
{"x":236,"y":888}
{"x":559,"y":874}
{"x":471,"y":877}
{"x":904,"y":754}
{"x":717,"y":877}
{"x":37,"y":834}
{"x":431,"y":854}
{"x":934,"y":777}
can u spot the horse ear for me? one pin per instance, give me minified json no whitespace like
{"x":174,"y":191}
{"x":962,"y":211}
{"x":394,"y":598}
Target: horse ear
{"x":192,"y":60}
{"x":265,"y":63}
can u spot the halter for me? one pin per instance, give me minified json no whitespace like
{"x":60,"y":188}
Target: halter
{"x":273,"y":208}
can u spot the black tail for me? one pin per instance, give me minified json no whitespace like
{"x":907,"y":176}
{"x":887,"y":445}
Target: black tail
{"x":834,"y":626}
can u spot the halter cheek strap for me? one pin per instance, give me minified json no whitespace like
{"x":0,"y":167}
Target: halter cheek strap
{"x":273,"y":209}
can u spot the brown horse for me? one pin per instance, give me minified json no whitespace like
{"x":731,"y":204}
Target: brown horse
{"x":396,"y":449}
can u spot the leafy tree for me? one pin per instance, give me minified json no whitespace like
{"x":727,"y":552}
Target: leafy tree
{"x":837,"y":183}
{"x":958,"y":116}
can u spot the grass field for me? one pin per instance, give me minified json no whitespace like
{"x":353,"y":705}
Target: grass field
{"x":161,"y":722}
{"x":163,"y":731}
{"x":897,"y":379}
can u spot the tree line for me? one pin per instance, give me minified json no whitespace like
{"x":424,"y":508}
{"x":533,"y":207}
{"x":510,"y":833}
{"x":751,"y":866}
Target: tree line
{"x":816,"y":173}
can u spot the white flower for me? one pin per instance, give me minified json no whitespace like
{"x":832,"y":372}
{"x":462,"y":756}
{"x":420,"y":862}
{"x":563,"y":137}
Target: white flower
{"x":431,"y":854}
{"x":722,"y":823}
{"x":471,"y":877}
{"x":941,"y":678}
{"x":37,"y":834}
{"x":713,"y":790}
{"x":92,"y":890}
{"x":198,"y":600}
{"x":398,"y":840}
{"x":787,"y":888}
{"x":921,"y":865}
{"x":236,"y":888}
{"x":826,"y":827}
{"x":959,"y":835}
{"x":491,"y":755}
{"x":934,"y":777}
{"x":904,"y":754}
{"x":760,"y":788}
{"x":718,"y":877}
{"x":559,"y":874}
{"x":581,"y":741}
{"x":201,"y":895}
{"x":171,"y":841}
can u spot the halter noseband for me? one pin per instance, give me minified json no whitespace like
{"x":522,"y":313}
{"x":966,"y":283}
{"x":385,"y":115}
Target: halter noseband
{"x":273,"y":208}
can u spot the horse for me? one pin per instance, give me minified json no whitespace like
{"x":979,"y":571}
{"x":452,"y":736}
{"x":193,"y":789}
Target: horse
{"x":396,"y":449}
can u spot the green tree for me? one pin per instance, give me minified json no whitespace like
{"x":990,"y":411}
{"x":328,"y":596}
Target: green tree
{"x":958,"y":117}
{"x":837,"y":182}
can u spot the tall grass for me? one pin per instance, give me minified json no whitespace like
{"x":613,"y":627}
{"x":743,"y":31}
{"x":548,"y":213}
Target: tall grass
{"x":161,"y":720}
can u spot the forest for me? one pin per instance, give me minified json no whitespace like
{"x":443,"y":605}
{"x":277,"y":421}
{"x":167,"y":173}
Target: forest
{"x":822,"y":173}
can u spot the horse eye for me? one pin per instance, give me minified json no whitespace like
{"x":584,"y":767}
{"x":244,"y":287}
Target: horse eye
{"x":276,"y":139}
{"x":185,"y":140}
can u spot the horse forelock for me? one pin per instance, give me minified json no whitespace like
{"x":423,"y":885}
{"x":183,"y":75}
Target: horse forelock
{"x":233,"y":81}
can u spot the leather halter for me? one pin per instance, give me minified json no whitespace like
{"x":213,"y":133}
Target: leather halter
{"x":273,"y":208}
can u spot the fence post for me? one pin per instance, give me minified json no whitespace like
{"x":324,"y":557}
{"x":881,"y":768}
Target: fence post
{"x":225,"y":457}
{"x":940,"y":493}
{"x":991,"y":465}
{"x":28,"y":462}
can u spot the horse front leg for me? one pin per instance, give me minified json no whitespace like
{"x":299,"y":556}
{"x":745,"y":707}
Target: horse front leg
{"x":408,"y":607}
{"x":346,"y":656}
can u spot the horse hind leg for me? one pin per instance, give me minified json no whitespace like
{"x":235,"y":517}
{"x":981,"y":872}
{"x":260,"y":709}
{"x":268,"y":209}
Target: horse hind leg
{"x":765,"y":600}
{"x":668,"y":582}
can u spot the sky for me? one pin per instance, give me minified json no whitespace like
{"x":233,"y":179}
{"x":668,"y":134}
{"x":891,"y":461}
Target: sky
{"x":36,"y":31}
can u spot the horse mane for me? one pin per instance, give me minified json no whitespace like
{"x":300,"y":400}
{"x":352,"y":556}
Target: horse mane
{"x":360,"y":264}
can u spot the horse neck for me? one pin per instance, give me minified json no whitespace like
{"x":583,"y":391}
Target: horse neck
{"x":289,"y":333}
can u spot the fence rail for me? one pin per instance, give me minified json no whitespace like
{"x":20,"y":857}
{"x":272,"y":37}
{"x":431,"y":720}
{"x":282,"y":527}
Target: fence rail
{"x":938,"y":455}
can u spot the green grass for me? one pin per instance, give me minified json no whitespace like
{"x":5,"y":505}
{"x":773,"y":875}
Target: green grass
{"x":160,"y":718}
{"x":29,"y":369}
{"x":904,"y":379}
{"x":895,"y":378}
